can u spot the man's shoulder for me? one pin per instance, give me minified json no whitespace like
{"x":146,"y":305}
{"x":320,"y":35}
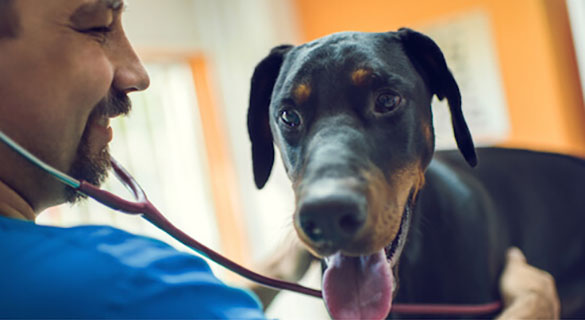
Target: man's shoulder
{"x":86,"y":254}
{"x":103,"y":270}
{"x":118,"y":247}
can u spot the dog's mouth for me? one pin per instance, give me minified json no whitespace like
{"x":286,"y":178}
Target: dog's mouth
{"x":362,"y":287}
{"x":393,"y":251}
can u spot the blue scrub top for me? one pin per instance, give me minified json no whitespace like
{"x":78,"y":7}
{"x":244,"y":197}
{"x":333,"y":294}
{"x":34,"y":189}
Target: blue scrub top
{"x":103,"y":272}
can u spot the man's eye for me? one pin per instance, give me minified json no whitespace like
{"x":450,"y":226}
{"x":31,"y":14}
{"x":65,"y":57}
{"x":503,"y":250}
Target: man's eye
{"x":291,"y":118}
{"x":103,"y":29}
{"x":99,"y":33}
{"x":387,"y":102}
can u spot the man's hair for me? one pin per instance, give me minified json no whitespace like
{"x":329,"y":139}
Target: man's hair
{"x":9,"y":23}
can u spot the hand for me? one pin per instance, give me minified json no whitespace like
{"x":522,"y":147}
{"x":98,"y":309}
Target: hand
{"x":528,"y":292}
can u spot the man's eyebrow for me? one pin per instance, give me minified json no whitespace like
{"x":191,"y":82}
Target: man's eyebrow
{"x":115,"y":5}
{"x":88,"y":9}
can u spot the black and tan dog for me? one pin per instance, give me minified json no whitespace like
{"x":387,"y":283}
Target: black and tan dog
{"x":351,"y":116}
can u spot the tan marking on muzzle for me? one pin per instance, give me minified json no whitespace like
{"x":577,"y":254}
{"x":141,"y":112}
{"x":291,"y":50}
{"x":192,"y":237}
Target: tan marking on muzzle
{"x":420,"y":182}
{"x":387,"y":199}
{"x":361,"y":77}
{"x":302,"y":92}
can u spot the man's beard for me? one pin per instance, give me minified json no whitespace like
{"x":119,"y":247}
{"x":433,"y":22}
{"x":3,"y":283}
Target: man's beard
{"x":93,"y":168}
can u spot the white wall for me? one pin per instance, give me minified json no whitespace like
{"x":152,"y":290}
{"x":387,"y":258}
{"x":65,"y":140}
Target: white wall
{"x":162,"y":25}
{"x":577,"y":17}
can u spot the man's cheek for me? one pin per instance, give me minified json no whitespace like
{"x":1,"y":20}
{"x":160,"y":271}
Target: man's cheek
{"x":93,"y":80}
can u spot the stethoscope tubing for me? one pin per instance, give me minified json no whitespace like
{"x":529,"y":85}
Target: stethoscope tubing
{"x":142,"y":206}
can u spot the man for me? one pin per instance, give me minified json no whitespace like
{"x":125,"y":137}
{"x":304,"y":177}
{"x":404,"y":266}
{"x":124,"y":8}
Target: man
{"x":66,"y":68}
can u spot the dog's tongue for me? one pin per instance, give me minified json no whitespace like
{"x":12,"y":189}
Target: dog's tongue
{"x":358,"y":287}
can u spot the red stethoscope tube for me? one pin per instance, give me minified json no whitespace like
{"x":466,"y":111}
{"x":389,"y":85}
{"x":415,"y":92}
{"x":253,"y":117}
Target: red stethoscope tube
{"x":144,"y":207}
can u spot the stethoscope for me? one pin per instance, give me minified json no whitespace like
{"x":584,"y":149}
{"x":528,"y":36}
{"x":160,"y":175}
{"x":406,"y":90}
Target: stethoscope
{"x":142,"y":206}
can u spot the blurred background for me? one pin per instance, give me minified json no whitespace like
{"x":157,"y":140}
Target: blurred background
{"x":518,"y":64}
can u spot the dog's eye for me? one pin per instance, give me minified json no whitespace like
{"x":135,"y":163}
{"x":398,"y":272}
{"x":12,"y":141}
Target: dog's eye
{"x":387,"y":102}
{"x":291,"y":118}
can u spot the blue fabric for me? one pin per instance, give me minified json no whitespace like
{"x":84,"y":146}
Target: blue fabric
{"x":103,"y":272}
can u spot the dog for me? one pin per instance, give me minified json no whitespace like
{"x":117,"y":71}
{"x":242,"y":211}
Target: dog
{"x":393,"y":220}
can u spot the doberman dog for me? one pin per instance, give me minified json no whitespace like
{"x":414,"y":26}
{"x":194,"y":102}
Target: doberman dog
{"x":351,"y":116}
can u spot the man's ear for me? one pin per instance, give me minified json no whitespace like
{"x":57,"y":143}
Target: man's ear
{"x":430,"y":63}
{"x":261,"y":88}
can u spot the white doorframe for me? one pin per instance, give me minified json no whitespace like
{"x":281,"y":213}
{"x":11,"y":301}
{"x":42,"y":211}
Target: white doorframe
{"x":576,"y":10}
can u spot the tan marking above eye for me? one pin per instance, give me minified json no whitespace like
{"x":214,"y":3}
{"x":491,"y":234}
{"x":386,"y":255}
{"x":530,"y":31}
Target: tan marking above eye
{"x":361,"y":76}
{"x":302,"y":92}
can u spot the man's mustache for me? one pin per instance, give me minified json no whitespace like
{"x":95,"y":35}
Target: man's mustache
{"x":114,"y":104}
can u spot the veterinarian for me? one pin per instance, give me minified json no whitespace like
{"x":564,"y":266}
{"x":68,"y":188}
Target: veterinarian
{"x":66,"y":68}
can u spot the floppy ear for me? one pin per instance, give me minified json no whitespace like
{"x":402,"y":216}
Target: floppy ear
{"x":262,"y":85}
{"x":430,"y":63}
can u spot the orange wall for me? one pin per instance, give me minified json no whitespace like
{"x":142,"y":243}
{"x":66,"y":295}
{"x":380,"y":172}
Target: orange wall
{"x":534,"y":48}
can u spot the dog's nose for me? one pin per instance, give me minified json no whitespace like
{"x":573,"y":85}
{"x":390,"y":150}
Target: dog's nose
{"x":333,"y":219}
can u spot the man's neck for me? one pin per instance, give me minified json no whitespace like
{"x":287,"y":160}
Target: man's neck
{"x":12,"y":205}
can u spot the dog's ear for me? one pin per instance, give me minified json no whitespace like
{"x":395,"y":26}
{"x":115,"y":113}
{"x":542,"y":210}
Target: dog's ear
{"x":261,"y":88}
{"x":430,"y":63}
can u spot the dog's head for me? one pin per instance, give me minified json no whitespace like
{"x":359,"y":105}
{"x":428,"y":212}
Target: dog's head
{"x":351,"y":116}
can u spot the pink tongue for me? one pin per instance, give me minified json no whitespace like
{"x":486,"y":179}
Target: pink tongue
{"x":358,"y":287}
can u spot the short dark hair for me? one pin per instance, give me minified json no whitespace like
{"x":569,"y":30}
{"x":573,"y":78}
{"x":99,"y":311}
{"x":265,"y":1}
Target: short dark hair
{"x":9,"y":24}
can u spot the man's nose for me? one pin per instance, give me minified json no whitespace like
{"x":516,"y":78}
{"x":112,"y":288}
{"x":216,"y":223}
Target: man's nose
{"x":129,"y":74}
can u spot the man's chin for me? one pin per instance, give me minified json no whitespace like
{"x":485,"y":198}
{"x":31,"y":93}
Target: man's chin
{"x":92,"y":165}
{"x":90,"y":168}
